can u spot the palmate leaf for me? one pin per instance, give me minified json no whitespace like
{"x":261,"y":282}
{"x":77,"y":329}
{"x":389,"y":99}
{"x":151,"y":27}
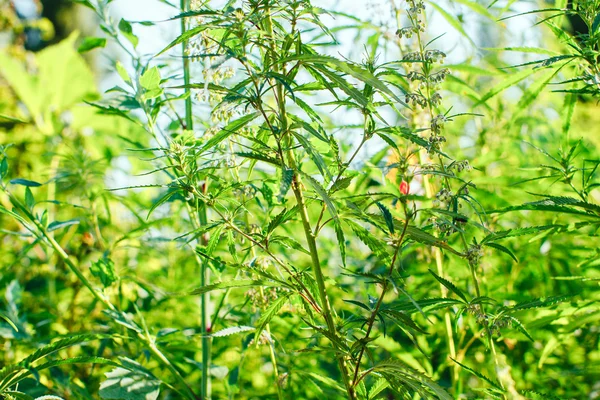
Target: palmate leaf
{"x":400,"y":375}
{"x":353,"y":70}
{"x":130,"y":382}
{"x":9,"y":372}
{"x":24,"y":373}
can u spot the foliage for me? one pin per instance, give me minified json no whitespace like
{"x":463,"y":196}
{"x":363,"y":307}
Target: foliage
{"x":253,"y":212}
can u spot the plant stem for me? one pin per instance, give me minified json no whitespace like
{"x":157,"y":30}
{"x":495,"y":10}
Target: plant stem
{"x":202,"y":216}
{"x":189,"y":123}
{"x":373,"y":316}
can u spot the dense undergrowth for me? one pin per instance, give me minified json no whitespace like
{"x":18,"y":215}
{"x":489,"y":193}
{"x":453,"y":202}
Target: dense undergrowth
{"x":294,"y":202}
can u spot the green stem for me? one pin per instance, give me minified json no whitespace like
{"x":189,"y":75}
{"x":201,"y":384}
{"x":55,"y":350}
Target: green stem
{"x":202,"y":216}
{"x":189,"y":123}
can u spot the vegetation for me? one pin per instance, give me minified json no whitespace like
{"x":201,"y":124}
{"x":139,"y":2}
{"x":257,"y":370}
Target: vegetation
{"x":259,"y":212}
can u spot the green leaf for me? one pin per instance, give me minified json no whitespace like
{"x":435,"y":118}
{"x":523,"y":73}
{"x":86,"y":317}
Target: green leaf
{"x":126,"y":384}
{"x":396,"y":372}
{"x":353,"y":70}
{"x":188,"y":34}
{"x":450,"y":286}
{"x":91,"y":43}
{"x":232,"y":284}
{"x":269,"y":313}
{"x":379,"y":386}
{"x":521,"y":328}
{"x":29,"y":199}
{"x":494,"y":384}
{"x":25,"y":182}
{"x":568,"y":109}
{"x":127,"y":31}
{"x":387,"y":217}
{"x":542,"y":302}
{"x":287,"y":175}
{"x":8,"y":321}
{"x":503,"y":249}
{"x":55,"y":225}
{"x":12,"y":119}
{"x":511,"y":80}
{"x":122,"y":71}
{"x":595,"y":24}
{"x":453,"y":21}
{"x":376,"y":245}
{"x":233,"y":331}
{"x":104,"y":269}
{"x":150,"y":79}
{"x":230,"y":129}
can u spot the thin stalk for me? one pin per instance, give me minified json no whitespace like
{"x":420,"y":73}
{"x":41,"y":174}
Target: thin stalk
{"x":205,"y":389}
{"x":426,"y":69}
{"x":320,"y":278}
{"x":189,"y":123}
{"x":373,"y":316}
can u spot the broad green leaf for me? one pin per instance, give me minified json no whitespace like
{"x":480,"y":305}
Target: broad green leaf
{"x":91,"y":43}
{"x":127,"y":31}
{"x":150,"y":79}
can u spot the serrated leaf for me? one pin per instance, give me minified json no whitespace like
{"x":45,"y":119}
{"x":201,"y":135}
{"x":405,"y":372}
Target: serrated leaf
{"x":230,"y":129}
{"x":387,"y":217}
{"x":494,"y":384}
{"x":233,"y":331}
{"x":541,"y":302}
{"x":450,"y":286}
{"x":124,"y":384}
{"x":269,"y":313}
{"x":503,"y":249}
{"x":397,"y":372}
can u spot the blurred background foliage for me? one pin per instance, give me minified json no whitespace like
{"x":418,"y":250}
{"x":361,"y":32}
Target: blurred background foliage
{"x":519,"y":143}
